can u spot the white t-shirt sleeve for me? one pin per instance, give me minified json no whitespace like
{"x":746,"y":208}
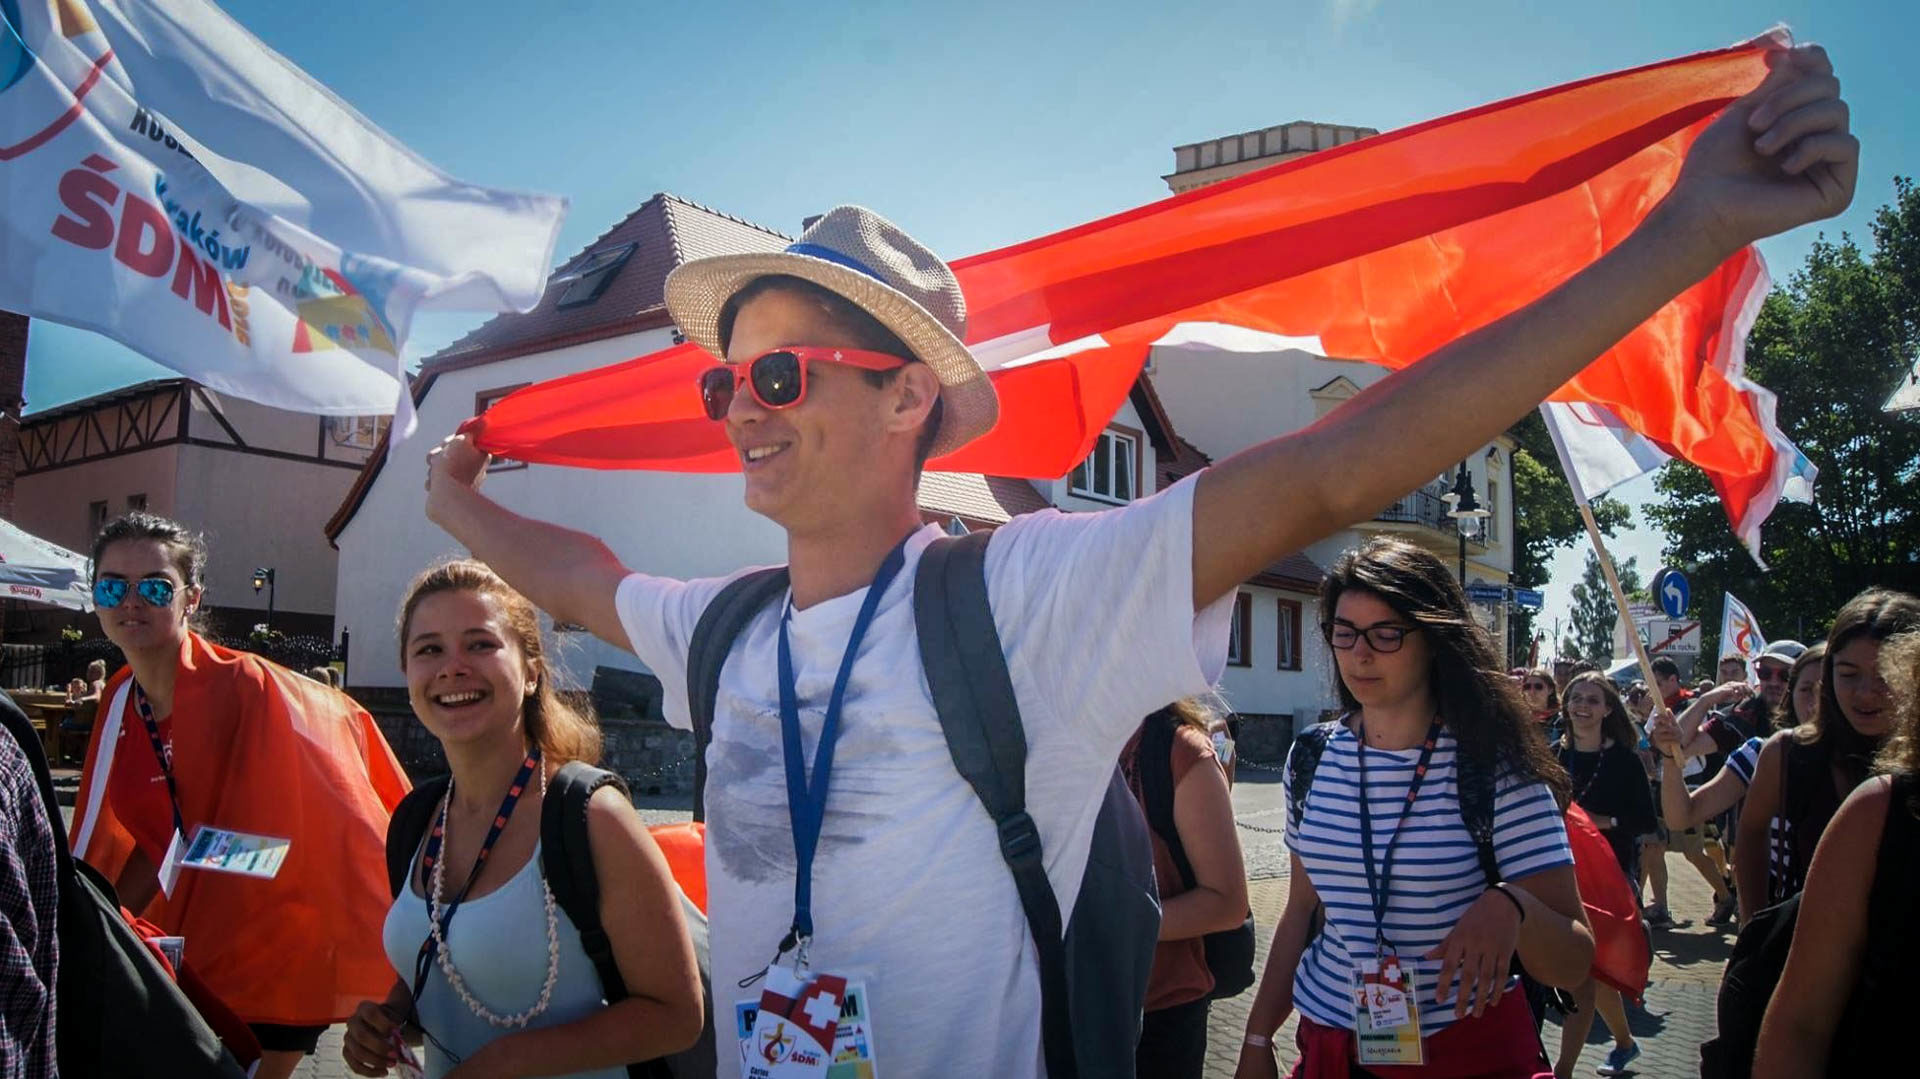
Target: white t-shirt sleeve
{"x":1099,"y":607}
{"x":1529,"y":835}
{"x":659,"y":615}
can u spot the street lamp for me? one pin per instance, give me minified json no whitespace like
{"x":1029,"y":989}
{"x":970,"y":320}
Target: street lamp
{"x":263,"y":578}
{"x":1467,"y":513}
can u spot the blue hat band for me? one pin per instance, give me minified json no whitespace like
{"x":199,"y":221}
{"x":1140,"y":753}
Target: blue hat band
{"x":828,"y":254}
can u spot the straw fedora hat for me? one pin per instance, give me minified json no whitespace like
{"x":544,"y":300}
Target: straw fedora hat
{"x":872,"y":263}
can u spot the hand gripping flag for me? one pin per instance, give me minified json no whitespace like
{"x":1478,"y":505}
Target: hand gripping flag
{"x":1380,"y":250}
{"x":169,"y":181}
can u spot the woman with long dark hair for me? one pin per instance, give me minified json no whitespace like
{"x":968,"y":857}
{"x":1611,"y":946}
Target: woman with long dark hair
{"x":1597,"y":750}
{"x":1805,"y":773}
{"x":1198,"y":869}
{"x":1843,"y":1001}
{"x":513,"y":992}
{"x":1414,"y":957}
{"x":197,"y":741}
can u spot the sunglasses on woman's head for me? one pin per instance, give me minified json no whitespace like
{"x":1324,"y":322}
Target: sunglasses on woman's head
{"x":778,"y":378}
{"x":110,"y":592}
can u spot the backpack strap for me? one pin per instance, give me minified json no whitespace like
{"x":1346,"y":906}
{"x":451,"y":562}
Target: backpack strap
{"x":408,"y":825}
{"x":1153,"y":762}
{"x":972,"y":691}
{"x":566,"y":858}
{"x":713,"y":636}
{"x":1302,"y":761}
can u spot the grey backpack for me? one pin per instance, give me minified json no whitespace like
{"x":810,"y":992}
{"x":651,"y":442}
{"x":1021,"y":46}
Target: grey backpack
{"x":1093,"y":971}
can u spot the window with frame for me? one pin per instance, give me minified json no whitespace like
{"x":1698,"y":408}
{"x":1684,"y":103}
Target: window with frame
{"x":1493,"y":510}
{"x":1111,"y":473}
{"x":588,"y":280}
{"x":356,"y":432}
{"x":486,"y":399}
{"x":135,"y":503}
{"x":96,"y":518}
{"x":1289,"y":634}
{"x":1240,"y":633}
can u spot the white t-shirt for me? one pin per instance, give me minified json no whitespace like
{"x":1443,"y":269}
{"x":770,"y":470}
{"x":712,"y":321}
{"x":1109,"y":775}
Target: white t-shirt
{"x":1436,"y":867}
{"x":910,"y":894}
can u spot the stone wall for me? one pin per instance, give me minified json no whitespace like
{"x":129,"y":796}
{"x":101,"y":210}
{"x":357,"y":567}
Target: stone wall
{"x":653,"y":758}
{"x":1266,"y":739}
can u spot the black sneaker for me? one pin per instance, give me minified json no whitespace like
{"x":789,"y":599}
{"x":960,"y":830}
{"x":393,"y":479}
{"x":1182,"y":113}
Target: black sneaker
{"x":1658,"y":918}
{"x":1725,"y":911}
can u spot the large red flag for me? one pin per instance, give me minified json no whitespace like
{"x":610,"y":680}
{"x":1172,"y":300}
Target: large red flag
{"x":1381,"y":250}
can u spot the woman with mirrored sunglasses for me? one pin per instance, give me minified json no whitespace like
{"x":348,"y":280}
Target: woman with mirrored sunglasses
{"x":193,"y":742}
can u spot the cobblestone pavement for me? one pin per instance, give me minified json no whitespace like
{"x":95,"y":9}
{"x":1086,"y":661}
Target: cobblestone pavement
{"x":1677,"y":1017}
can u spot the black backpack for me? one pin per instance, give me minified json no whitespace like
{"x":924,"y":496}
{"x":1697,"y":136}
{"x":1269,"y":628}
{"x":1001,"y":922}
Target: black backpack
{"x":1230,"y":951}
{"x":117,"y":1013}
{"x":1094,"y":969}
{"x":1863,"y":1042}
{"x":566,"y":860}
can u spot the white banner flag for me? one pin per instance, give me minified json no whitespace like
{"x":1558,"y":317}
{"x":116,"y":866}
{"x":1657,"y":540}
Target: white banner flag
{"x":1597,"y":451}
{"x":1740,"y":633}
{"x":171,"y":182}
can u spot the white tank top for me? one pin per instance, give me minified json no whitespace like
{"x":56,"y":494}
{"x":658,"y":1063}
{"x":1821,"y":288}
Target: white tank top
{"x":498,"y":942}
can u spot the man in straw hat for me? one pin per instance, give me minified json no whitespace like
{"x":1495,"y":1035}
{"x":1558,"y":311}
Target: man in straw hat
{"x":844,"y":372}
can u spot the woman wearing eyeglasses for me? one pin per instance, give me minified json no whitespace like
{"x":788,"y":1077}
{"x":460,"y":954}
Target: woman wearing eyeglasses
{"x":1413,"y":962}
{"x":1543,"y":697}
{"x":197,"y":746}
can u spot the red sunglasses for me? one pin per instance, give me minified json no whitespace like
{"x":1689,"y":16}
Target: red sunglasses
{"x":777,"y":378}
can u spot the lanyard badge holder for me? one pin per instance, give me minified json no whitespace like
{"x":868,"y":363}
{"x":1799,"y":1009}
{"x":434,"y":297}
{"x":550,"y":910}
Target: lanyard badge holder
{"x":795,"y":1027}
{"x":1386,"y":1012}
{"x":169,"y":872}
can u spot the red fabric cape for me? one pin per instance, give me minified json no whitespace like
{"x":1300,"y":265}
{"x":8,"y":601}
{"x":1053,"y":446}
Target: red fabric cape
{"x":260,"y":749}
{"x":1622,"y":956}
{"x":1383,"y":250}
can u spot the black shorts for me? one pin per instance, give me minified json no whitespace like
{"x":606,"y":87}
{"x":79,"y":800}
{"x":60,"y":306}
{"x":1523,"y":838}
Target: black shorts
{"x":277,"y":1038}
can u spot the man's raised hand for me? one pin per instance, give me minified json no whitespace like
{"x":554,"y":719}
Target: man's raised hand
{"x":1778,"y":158}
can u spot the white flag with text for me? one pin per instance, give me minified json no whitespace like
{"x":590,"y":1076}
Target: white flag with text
{"x":169,"y":181}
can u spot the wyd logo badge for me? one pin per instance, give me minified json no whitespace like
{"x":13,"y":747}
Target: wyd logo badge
{"x":35,"y":104}
{"x":332,"y":313}
{"x":776,"y":1044}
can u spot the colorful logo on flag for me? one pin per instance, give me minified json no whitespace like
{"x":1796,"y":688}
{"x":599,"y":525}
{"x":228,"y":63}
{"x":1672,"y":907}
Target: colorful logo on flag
{"x":333,"y":313}
{"x":40,"y":120}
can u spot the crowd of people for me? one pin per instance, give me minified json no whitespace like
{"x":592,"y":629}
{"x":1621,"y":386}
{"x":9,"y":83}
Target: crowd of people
{"x":1029,"y":866}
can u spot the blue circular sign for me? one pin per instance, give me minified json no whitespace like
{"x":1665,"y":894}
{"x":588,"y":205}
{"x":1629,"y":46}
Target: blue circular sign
{"x":1671,"y":592}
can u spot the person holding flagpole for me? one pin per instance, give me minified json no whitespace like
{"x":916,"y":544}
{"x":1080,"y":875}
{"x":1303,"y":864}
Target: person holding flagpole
{"x":844,"y":372}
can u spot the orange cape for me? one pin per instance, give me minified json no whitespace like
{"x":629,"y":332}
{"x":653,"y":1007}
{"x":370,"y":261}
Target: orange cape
{"x":260,"y":749}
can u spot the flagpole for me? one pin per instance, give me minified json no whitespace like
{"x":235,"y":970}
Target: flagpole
{"x":1619,"y":595}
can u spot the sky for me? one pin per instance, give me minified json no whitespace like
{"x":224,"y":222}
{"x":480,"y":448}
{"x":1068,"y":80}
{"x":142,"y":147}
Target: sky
{"x":972,"y":125}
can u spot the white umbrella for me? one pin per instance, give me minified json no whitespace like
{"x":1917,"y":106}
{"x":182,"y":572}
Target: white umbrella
{"x":41,"y":572}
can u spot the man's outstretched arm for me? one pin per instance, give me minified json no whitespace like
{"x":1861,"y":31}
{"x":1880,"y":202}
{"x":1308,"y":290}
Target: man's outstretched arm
{"x":570,"y":575}
{"x":1780,"y":157}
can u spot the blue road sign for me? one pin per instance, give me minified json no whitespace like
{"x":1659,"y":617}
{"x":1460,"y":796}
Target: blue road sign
{"x":1531,"y":599}
{"x":1486,"y":593}
{"x":1671,"y":591}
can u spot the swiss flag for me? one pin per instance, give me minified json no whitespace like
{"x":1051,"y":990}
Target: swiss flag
{"x":1380,"y":250}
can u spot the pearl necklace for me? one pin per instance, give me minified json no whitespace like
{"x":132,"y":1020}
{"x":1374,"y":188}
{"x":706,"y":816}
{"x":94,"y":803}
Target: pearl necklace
{"x":445,"y":958}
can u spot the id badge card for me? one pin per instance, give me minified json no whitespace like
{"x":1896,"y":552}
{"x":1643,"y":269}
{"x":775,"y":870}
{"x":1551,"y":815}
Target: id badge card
{"x":225,"y":851}
{"x":169,"y":873}
{"x":1386,"y":1014}
{"x":853,"y":1054}
{"x":794,"y":1026}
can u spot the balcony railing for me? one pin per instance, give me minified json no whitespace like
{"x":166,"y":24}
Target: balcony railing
{"x":1422,"y":507}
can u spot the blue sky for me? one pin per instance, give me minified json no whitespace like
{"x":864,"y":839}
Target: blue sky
{"x":971,"y":125}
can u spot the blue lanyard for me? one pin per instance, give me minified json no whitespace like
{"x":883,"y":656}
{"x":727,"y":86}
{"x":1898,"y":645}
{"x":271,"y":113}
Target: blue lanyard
{"x":1380,"y":882}
{"x":163,"y":753}
{"x":432,"y":854}
{"x":807,"y":802}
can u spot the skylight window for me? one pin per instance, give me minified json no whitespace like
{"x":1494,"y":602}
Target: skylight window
{"x":585,"y":282}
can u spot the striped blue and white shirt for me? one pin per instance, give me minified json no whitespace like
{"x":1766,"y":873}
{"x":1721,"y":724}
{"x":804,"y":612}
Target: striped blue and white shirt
{"x":1741,"y":762}
{"x":1436,"y":869}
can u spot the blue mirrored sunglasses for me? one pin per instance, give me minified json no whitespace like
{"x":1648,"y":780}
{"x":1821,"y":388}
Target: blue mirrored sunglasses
{"x":110,"y":592}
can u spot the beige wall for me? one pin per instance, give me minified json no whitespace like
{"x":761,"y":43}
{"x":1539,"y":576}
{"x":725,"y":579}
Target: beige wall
{"x":263,"y":511}
{"x":53,"y":504}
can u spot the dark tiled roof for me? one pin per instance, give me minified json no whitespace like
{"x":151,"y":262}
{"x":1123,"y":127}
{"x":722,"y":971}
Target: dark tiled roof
{"x":1296,"y":573}
{"x":978,"y":498}
{"x":666,"y":231}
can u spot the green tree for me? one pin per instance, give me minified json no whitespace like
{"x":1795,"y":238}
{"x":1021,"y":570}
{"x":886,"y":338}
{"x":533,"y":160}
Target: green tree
{"x":1832,"y":344}
{"x":1545,"y":516}
{"x":1594,"y":612}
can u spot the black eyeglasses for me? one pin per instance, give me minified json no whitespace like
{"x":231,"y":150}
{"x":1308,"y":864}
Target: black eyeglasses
{"x":1383,"y":637}
{"x":110,"y":592}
